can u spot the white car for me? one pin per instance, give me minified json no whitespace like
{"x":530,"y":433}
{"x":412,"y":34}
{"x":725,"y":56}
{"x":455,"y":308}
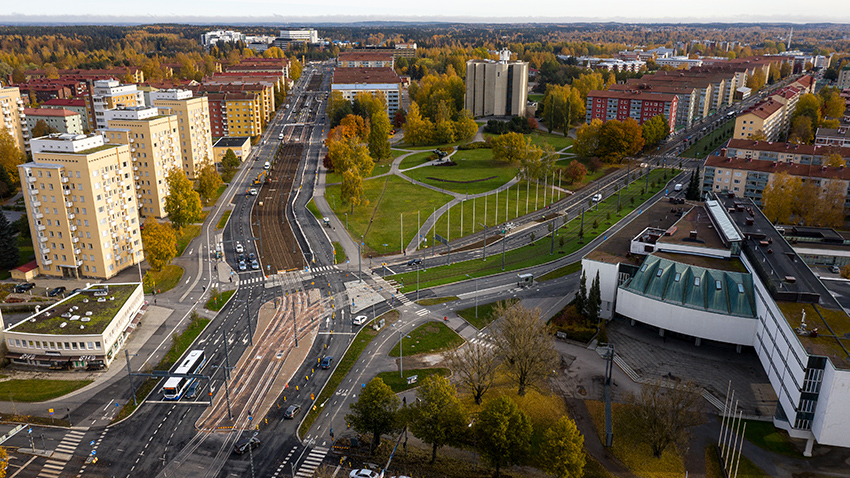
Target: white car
{"x":597,"y":197}
{"x":359,"y":320}
{"x":239,"y":248}
{"x":252,"y":192}
{"x":364,"y":473}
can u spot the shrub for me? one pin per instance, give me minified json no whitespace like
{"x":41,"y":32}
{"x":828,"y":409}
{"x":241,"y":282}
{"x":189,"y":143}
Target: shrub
{"x":473,"y":145}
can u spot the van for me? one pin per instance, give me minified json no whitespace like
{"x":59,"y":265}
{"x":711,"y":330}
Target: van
{"x":359,"y":320}
{"x":267,"y":165}
{"x":677,"y":187}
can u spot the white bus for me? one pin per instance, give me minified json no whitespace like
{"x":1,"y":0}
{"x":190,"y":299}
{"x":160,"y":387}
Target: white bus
{"x":175,"y":386}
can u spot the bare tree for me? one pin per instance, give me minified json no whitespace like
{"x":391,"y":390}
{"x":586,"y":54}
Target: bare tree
{"x":475,"y":365}
{"x":524,"y":343}
{"x":664,"y":412}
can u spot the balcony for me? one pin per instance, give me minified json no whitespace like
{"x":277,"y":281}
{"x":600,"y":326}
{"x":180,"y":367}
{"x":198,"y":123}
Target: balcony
{"x":44,"y":250}
{"x":71,"y":216}
{"x":138,"y":186}
{"x":40,"y":227}
{"x":115,"y":235}
{"x":75,"y":240}
{"x":66,"y":192}
{"x":31,"y":179}
{"x":34,"y":192}
{"x":136,"y":178}
{"x":46,"y":262}
{"x":69,"y":204}
{"x":139,"y":195}
{"x":36,"y":203}
{"x":42,"y":238}
{"x":65,"y":179}
{"x":73,"y":228}
{"x":79,"y":263}
{"x":135,"y":168}
{"x":132,"y":140}
{"x":116,"y":246}
{"x":77,"y":251}
{"x":39,"y":215}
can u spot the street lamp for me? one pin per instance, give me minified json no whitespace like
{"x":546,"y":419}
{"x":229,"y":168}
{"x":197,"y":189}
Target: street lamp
{"x":476,"y":294}
{"x":400,"y":351}
{"x":250,"y":328}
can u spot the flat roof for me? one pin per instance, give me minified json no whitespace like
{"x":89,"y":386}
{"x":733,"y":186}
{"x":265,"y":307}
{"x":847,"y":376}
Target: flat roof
{"x":788,"y":148}
{"x":724,"y":224}
{"x":632,"y":94}
{"x":615,"y":249}
{"x":365,"y":56}
{"x":50,"y":320}
{"x":231,"y":142}
{"x":697,"y":219}
{"x":364,"y":75}
{"x":773,"y":167}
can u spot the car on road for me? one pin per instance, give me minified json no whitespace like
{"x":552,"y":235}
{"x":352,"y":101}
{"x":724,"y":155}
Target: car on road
{"x":242,"y":266}
{"x":267,"y":166}
{"x":291,"y":411}
{"x":243,"y":444}
{"x":596,"y":197}
{"x":24,"y":287}
{"x":414,"y":262}
{"x":677,"y":187}
{"x":192,"y":391}
{"x":834,"y":269}
{"x":364,"y":473}
{"x":251,"y":256}
{"x":255,"y":265}
{"x":359,"y":320}
{"x":239,"y":248}
{"x":326,"y":362}
{"x":56,"y":291}
{"x":252,"y":192}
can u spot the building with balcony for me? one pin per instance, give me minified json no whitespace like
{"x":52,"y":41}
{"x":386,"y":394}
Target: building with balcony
{"x":154,"y":150}
{"x":14,"y":120}
{"x":193,"y":126}
{"x":365,"y":59}
{"x":83,"y":331}
{"x":638,"y":105}
{"x":61,"y":120}
{"x":77,"y":105}
{"x":81,"y":206}
{"x":496,"y":88}
{"x":110,"y":94}
{"x":350,"y":81}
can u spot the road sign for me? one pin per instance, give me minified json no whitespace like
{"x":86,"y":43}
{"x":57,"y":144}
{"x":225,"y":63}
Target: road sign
{"x":440,"y":238}
{"x":412,"y":379}
{"x":51,"y":411}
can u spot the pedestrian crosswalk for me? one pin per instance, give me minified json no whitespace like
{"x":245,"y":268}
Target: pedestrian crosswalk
{"x":313,"y":460}
{"x":251,"y":280}
{"x":393,"y":286}
{"x":483,"y":339}
{"x":53,"y":467}
{"x":319,"y":269}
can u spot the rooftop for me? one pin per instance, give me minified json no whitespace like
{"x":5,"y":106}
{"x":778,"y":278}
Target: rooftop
{"x":793,"y":169}
{"x":231,"y":142}
{"x":58,"y":102}
{"x":616,"y":248}
{"x":49,"y":112}
{"x":696,"y":220}
{"x":778,"y":147}
{"x":633,"y":94}
{"x":365,"y":56}
{"x":73,"y":312}
{"x":364,"y":75}
{"x":764,"y":109}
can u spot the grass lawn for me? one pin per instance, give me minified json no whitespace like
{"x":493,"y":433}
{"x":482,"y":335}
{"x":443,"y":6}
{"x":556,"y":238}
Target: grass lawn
{"x":476,"y":172}
{"x":217,"y":302}
{"x":215,"y":197}
{"x":339,"y":253}
{"x":414,"y":159}
{"x":589,"y":177}
{"x":185,"y":236}
{"x":203,"y":217}
{"x":381,"y":167}
{"x":765,"y":435}
{"x":436,"y":300}
{"x":223,"y":221}
{"x":396,"y":153}
{"x":485,"y":313}
{"x":561,"y":272}
{"x":493,"y":209}
{"x":35,"y":390}
{"x":430,"y":337}
{"x":710,"y":142}
{"x":538,"y":252}
{"x":399,"y":383}
{"x":535,"y":97}
{"x":163,"y":280}
{"x":631,"y":448}
{"x":746,"y":468}
{"x":378,"y":217}
{"x":358,"y":345}
{"x":557,"y":141}
{"x":311,"y":206}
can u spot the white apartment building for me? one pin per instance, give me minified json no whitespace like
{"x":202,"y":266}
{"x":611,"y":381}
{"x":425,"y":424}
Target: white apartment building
{"x":110,"y":94}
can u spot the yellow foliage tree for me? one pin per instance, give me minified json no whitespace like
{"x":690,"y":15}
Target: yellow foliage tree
{"x":778,"y":198}
{"x":831,"y":208}
{"x":160,"y":243}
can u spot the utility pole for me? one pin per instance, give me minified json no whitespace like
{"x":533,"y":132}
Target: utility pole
{"x":504,"y":240}
{"x":485,"y":240}
{"x":130,"y":377}
{"x":226,"y":354}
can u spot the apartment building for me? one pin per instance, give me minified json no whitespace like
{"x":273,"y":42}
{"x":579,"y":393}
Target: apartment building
{"x":400,"y":50}
{"x":273,"y":66}
{"x":607,"y":105}
{"x":210,"y":38}
{"x":687,"y":96}
{"x":679,"y":62}
{"x":844,"y":78}
{"x":833,"y":136}
{"x":81,"y":206}
{"x":350,"y":81}
{"x":496,"y":88}
{"x":130,"y":74}
{"x":154,"y":149}
{"x":306,"y":35}
{"x":77,"y":105}
{"x":365,"y":59}
{"x":62,"y":120}
{"x":14,"y":118}
{"x":771,"y":116}
{"x":782,"y":152}
{"x":193,"y":126}
{"x":701,"y":98}
{"x":110,"y":94}
{"x":264,"y":91}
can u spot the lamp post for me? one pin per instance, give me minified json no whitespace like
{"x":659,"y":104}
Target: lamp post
{"x":485,"y":240}
{"x":129,"y":376}
{"x":476,"y":294}
{"x":400,"y":352}
{"x":360,"y":259}
{"x":250,"y":327}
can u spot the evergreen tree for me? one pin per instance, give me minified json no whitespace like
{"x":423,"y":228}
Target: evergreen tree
{"x":9,"y":253}
{"x":594,"y":301}
{"x":581,"y":297}
{"x":693,"y":192}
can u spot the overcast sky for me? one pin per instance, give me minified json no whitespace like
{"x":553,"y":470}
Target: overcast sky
{"x":307,"y":11}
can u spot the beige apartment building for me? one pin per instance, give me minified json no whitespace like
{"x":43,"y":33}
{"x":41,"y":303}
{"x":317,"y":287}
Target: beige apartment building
{"x":14,"y":119}
{"x":110,"y":94}
{"x":193,"y":126}
{"x":81,"y":205}
{"x":154,"y":150}
{"x":496,"y":88}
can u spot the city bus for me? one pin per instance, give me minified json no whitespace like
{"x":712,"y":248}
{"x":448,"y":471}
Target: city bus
{"x":175,"y":386}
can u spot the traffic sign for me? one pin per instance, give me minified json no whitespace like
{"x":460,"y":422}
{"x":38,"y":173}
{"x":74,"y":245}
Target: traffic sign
{"x":51,"y":411}
{"x":440,"y":238}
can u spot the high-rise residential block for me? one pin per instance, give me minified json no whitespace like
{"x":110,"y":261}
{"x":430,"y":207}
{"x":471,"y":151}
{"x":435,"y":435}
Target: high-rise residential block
{"x":496,"y":88}
{"x":81,"y":206}
{"x":14,"y":118}
{"x":154,"y":149}
{"x":110,"y":94}
{"x":193,"y":126}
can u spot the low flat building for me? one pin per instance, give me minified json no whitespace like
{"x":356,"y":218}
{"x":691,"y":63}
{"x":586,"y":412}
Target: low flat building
{"x":350,"y":81}
{"x":241,"y":147}
{"x":60,"y":120}
{"x":85,"y":330}
{"x":833,"y":136}
{"x":679,"y":62}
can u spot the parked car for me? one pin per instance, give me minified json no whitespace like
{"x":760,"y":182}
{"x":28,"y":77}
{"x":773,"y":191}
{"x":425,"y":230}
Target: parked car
{"x":326,"y":362}
{"x":56,"y":291}
{"x":243,"y":444}
{"x":241,"y":258}
{"x":364,"y":473}
{"x":251,"y":256}
{"x":291,"y":411}
{"x":24,"y":287}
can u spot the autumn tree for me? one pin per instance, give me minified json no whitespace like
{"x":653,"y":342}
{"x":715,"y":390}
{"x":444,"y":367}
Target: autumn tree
{"x":375,"y":411}
{"x":808,"y":105}
{"x":41,"y":129}
{"x":465,"y":127}
{"x":806,"y":201}
{"x":586,"y":143}
{"x":576,"y":172}
{"x":229,"y":162}
{"x":503,"y":432}
{"x":437,"y":417}
{"x":834,"y":160}
{"x":562,"y":450}
{"x":778,"y":197}
{"x":10,"y":155}
{"x":655,"y":130}
{"x":208,"y":181}
{"x":160,"y":243}
{"x":379,"y":135}
{"x":183,"y":203}
{"x":510,"y":147}
{"x":618,"y":139}
{"x":832,"y":104}
{"x":417,"y":130}
{"x":831,"y":207}
{"x":801,"y":131}
{"x":475,"y":366}
{"x":757,"y":80}
{"x":758,"y":135}
{"x":665,"y":414}
{"x":352,"y":187}
{"x":524,"y":344}
{"x":4,"y":462}
{"x":337,"y":107}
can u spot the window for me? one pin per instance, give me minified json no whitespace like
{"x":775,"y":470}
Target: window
{"x":677,"y":277}
{"x":643,"y":268}
{"x":696,"y":281}
{"x":659,"y":272}
{"x":718,"y":284}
